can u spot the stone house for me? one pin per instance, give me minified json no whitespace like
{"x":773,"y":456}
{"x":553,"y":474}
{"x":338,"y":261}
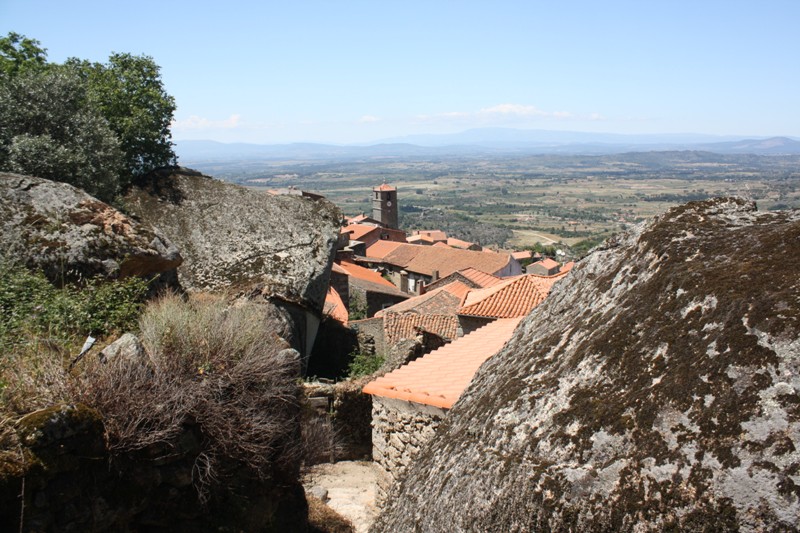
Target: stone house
{"x":409,"y":403}
{"x":545,"y":267}
{"x":368,"y":288}
{"x":511,"y":298}
{"x":412,"y":267}
{"x":369,"y":234}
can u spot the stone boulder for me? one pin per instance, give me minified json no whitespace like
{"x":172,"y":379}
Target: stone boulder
{"x":656,"y":389}
{"x":231,"y":236}
{"x":71,"y":235}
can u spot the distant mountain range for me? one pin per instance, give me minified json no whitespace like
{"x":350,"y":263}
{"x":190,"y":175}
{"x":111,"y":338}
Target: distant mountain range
{"x":488,"y":141}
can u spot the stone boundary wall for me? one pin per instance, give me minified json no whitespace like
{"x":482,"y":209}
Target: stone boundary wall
{"x":399,"y":430}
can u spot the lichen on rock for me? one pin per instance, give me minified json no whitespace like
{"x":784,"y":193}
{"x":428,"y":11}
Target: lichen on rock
{"x":231,"y":236}
{"x":658,"y":388}
{"x":70,"y":235}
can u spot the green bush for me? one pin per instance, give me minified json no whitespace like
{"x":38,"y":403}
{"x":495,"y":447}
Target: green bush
{"x":364,"y":364}
{"x":30,"y":307}
{"x":42,"y":328}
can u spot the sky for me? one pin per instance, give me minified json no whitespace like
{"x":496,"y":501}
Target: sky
{"x":359,"y":72}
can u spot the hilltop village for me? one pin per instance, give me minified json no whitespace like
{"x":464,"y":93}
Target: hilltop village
{"x":435,"y":308}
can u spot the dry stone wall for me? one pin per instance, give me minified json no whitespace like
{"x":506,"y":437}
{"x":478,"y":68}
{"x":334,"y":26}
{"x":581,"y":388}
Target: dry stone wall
{"x":399,"y":430}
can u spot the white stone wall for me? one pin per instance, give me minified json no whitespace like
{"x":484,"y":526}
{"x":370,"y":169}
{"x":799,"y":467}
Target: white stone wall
{"x":399,"y":430}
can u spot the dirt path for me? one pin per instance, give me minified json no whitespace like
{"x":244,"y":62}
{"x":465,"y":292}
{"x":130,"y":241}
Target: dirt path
{"x":351,"y":487}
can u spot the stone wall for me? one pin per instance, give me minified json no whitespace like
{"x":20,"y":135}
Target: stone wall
{"x":399,"y":430}
{"x":371,"y":329}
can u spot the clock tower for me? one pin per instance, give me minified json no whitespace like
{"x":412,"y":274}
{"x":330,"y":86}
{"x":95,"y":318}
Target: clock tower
{"x":384,"y":205}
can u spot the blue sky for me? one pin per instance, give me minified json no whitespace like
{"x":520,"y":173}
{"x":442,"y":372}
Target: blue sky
{"x":351,"y":71}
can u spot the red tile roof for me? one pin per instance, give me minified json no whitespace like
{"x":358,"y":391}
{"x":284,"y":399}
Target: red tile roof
{"x":525,"y":254}
{"x":358,"y":231}
{"x":443,"y":301}
{"x":381,"y":249}
{"x":419,"y":239}
{"x":399,"y":326}
{"x":547,"y":263}
{"x":384,"y":187}
{"x":440,"y":377}
{"x":334,"y":306}
{"x":440,"y":244}
{"x":426,"y":259}
{"x":365,"y":274}
{"x":479,"y":278}
{"x":513,"y":298}
{"x":435,"y":234}
{"x":458,"y":243}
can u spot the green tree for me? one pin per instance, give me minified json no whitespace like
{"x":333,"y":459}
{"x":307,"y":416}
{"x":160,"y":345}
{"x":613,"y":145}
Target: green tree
{"x":18,"y":53}
{"x":95,"y":125}
{"x":48,"y":129}
{"x":129,"y":93}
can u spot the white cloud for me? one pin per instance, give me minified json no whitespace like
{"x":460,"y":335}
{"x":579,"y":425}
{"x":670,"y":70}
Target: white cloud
{"x":200,"y":123}
{"x":369,"y":118}
{"x":500,"y":113}
{"x":520,"y":110}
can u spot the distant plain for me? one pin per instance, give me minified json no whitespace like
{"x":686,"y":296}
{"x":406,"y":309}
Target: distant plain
{"x":529,"y":198}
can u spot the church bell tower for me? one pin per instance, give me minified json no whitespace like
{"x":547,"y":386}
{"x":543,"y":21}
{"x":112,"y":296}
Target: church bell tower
{"x":384,"y":205}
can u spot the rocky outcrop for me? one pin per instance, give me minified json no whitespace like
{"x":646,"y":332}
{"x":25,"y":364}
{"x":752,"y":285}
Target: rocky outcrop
{"x":70,"y":235}
{"x":232,"y":236}
{"x":657,"y":389}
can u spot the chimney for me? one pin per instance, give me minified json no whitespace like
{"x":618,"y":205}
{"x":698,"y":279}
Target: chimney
{"x":403,"y":281}
{"x":434,"y":276}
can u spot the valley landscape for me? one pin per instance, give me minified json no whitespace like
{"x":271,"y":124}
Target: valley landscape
{"x":400,"y":267}
{"x":516,"y":200}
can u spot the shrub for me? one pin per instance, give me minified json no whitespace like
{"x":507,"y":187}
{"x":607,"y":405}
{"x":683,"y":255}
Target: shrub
{"x":218,"y":368}
{"x":43,"y":327}
{"x":364,"y":364}
{"x":32,"y":309}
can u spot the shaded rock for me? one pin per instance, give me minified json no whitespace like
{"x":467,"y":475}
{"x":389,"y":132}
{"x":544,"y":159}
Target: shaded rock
{"x":127,"y":346}
{"x":233,"y":236}
{"x":656,"y":389}
{"x":71,"y":235}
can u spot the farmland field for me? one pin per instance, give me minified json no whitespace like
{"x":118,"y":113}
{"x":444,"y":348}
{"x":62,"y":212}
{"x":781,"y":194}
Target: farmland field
{"x":516,"y":201}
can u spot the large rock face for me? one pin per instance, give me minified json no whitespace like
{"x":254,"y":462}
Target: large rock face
{"x":232,"y":236}
{"x":69,"y":234}
{"x":656,"y":389}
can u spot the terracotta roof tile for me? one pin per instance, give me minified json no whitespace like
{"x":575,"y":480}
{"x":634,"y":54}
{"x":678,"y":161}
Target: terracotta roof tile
{"x":359,"y":231}
{"x":334,"y":306}
{"x":384,"y":187}
{"x":444,"y":300}
{"x":519,"y":256}
{"x":482,"y":279}
{"x":547,"y":263}
{"x":399,"y":326}
{"x":513,"y":298}
{"x":457,"y":289}
{"x":381,"y":249}
{"x":440,"y":377}
{"x":435,"y":234}
{"x":442,"y":245}
{"x":419,"y":239}
{"x":446,"y":260}
{"x":357,"y":271}
{"x":458,"y":243}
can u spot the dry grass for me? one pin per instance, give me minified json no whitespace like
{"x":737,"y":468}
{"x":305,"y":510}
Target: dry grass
{"x":323,"y":519}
